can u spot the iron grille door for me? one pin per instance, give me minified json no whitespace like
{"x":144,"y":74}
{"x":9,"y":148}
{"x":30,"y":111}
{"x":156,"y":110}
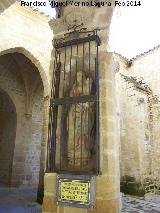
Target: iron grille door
{"x":73,"y":142}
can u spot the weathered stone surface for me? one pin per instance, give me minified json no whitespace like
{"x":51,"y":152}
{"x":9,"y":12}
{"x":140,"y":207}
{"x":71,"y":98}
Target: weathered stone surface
{"x":25,"y":55}
{"x":50,"y":183}
{"x":103,"y":206}
{"x":49,"y":203}
{"x":138,"y":83}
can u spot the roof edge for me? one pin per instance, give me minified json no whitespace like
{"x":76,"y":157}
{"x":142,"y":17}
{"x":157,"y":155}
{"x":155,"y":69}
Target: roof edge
{"x":138,"y":56}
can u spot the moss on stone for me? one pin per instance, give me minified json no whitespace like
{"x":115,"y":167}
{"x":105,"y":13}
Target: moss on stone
{"x":131,"y":187}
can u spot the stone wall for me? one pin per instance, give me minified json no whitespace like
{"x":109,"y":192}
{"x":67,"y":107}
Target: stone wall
{"x":8,"y":124}
{"x":33,"y":152}
{"x":26,"y":148}
{"x":26,"y":31}
{"x":139,"y":92}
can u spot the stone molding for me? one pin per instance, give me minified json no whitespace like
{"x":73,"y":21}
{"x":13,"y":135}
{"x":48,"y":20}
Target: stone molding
{"x":90,"y":17}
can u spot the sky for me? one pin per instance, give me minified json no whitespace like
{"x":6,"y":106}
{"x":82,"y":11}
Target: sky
{"x":134,"y":30}
{"x":47,"y":10}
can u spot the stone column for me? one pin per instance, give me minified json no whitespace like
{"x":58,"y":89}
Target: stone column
{"x":23,"y":136}
{"x":108,"y":190}
{"x":107,"y":184}
{"x":40,"y":192}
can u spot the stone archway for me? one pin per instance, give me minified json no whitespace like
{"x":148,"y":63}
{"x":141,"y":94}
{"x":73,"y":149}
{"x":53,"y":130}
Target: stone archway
{"x":8,"y":122}
{"x":34,"y":60}
{"x":21,"y":79}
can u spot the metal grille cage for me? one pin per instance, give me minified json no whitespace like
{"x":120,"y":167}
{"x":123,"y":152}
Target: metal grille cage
{"x":73,"y":138}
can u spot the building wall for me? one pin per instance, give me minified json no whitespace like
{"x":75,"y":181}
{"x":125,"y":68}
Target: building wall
{"x":8,"y":122}
{"x":26,"y":31}
{"x":26,"y":148}
{"x":32,"y":160}
{"x":139,"y":112}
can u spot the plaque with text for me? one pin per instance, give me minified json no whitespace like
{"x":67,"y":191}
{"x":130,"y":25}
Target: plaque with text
{"x":76,"y":191}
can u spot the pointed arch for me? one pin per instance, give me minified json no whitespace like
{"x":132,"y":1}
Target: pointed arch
{"x":35,"y":61}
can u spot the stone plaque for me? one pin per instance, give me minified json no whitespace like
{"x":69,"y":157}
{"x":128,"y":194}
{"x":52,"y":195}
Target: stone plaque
{"x":76,"y":191}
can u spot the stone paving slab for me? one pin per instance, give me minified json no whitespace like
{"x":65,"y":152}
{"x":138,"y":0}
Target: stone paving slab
{"x":140,"y":205}
{"x":21,"y":200}
{"x":18,"y":200}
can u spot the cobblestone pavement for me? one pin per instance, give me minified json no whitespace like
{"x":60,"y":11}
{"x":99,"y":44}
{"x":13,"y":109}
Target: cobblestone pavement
{"x":140,"y":205}
{"x":14,"y":200}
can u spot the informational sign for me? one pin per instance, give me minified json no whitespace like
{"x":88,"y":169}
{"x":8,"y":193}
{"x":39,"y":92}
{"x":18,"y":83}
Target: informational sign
{"x":76,"y":190}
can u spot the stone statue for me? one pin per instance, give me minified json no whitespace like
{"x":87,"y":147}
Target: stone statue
{"x":78,"y":125}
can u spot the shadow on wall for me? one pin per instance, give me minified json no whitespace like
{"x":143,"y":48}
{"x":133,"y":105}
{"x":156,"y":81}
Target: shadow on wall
{"x":8,"y":123}
{"x":20,"y":145}
{"x":130,"y":186}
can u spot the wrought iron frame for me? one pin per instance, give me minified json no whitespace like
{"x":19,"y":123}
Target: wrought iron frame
{"x":75,"y":37}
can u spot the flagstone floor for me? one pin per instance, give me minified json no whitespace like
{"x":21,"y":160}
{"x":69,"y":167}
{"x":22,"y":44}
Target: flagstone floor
{"x":140,"y":205}
{"x":14,"y":200}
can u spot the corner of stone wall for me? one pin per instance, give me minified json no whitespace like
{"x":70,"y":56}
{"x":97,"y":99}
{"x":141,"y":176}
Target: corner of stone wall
{"x":49,"y":200}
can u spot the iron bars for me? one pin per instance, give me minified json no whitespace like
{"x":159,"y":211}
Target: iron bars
{"x":73,"y":139}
